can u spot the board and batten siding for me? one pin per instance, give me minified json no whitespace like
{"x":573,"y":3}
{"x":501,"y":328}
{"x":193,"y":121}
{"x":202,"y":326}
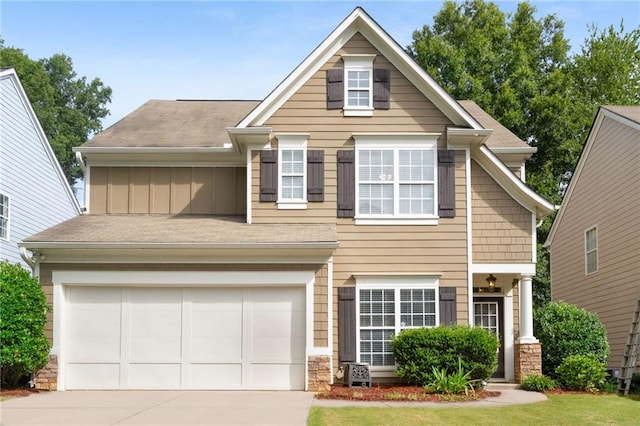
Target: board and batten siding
{"x":606,"y":195}
{"x":320,"y":327}
{"x":39,"y":195}
{"x":381,"y":249}
{"x":501,"y":226}
{"x":168,"y":190}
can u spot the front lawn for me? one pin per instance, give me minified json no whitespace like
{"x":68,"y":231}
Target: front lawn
{"x":569,"y":409}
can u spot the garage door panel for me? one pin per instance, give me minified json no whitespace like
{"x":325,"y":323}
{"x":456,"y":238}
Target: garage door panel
{"x":154,"y":376}
{"x":216,"y":376}
{"x":93,"y":376}
{"x":220,"y":350}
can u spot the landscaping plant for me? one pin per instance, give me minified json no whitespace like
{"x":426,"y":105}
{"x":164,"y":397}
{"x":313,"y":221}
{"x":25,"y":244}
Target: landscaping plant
{"x":563,"y":330}
{"x":582,"y":373}
{"x":420,"y":352}
{"x":455,"y":383}
{"x":23,"y":315}
{"x":538,"y":383}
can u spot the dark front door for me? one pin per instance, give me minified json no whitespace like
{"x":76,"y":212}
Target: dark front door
{"x":489,"y":314}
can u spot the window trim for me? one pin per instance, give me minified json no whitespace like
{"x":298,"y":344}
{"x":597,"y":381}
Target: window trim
{"x":292,"y":142}
{"x":396,"y":283}
{"x":587,"y":252}
{"x":358,"y":62}
{"x":7,"y":218}
{"x":397,"y":142}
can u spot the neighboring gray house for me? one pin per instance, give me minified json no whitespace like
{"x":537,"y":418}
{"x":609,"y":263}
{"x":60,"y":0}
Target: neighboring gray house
{"x":34,"y":194}
{"x":595,"y":239}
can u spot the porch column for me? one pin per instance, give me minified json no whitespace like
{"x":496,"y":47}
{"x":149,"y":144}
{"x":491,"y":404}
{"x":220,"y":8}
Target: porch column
{"x":526,"y":310}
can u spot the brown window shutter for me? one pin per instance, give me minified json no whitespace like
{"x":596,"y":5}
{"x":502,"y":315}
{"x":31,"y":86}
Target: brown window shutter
{"x":335,"y":88}
{"x":347,"y":324}
{"x":315,"y":175}
{"x":447,"y":305}
{"x":381,"y":88}
{"x":346,"y":183}
{"x":446,"y":183}
{"x":268,"y":175}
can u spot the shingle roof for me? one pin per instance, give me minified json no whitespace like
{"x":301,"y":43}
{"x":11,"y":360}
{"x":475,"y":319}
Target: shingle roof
{"x":630,"y":112}
{"x":162,"y":123}
{"x":180,"y":229}
{"x":501,"y":136}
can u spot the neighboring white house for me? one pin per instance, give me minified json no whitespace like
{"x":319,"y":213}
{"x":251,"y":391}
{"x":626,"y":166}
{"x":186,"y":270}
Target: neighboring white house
{"x":34,"y":194}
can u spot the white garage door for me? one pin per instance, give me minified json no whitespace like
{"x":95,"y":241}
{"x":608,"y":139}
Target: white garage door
{"x":193,"y":338}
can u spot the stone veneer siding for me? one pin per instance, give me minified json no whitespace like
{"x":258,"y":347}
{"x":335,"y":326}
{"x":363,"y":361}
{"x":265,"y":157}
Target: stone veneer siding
{"x":528,"y":360}
{"x":319,"y":373}
{"x":47,"y":378}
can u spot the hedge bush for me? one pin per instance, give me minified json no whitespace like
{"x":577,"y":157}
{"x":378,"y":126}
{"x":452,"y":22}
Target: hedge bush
{"x":23,"y":315}
{"x":420,"y":351}
{"x":538,"y":383}
{"x":564,"y":330}
{"x":582,"y":373}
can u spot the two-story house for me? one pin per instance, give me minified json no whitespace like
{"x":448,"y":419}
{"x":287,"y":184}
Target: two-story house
{"x":34,"y":193}
{"x":261,"y":245}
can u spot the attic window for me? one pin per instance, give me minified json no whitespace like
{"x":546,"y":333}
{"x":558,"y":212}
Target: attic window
{"x":358,"y":88}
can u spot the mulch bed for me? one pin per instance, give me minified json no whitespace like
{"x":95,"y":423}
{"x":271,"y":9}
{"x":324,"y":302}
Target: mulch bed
{"x":18,"y":392}
{"x":398,"y":393}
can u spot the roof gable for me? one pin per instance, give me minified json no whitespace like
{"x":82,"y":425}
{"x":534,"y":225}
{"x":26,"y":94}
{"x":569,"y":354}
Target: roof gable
{"x":10,"y":73}
{"x":625,"y":115}
{"x":359,"y":22}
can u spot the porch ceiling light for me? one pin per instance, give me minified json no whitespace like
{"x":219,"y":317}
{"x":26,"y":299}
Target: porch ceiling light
{"x":491,"y":280}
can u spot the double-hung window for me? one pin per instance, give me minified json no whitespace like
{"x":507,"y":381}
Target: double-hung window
{"x":591,"y":250}
{"x":358,"y":88}
{"x":396,"y":179}
{"x":4,"y":217}
{"x":292,"y":171}
{"x":386,"y":306}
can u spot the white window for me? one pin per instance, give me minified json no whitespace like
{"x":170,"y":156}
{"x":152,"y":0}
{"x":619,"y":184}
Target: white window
{"x":396,"y":179}
{"x":386,"y":306}
{"x":591,"y":250}
{"x":4,"y":217}
{"x":292,"y":171}
{"x":358,"y":87}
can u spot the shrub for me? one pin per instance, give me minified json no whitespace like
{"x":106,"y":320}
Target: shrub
{"x":563,"y":330}
{"x":421,"y":351}
{"x":456,"y":383}
{"x":582,"y":372}
{"x":538,"y":383}
{"x":23,"y":315}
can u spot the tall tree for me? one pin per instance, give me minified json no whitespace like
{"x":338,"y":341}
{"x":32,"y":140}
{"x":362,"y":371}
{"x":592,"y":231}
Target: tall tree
{"x":518,"y":69}
{"x":69,"y":108}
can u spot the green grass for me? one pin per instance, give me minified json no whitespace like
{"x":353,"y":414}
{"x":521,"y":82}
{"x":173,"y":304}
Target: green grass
{"x":558,"y":410}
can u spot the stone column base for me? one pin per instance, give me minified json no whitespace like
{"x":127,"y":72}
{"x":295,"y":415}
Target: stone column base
{"x":47,"y":378}
{"x":528,"y":360}
{"x":319,"y":373}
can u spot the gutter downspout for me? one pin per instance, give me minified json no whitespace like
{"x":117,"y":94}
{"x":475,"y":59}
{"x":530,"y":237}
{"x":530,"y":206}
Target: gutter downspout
{"x":28,"y":259}
{"x":81,"y":162}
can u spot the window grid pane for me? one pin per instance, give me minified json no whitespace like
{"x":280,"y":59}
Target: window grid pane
{"x":4,"y":216}
{"x":377,"y":326}
{"x":418,"y":308}
{"x":486,"y":316}
{"x":591,"y":250}
{"x":396,"y":181}
{"x":292,"y":174}
{"x":358,"y":88}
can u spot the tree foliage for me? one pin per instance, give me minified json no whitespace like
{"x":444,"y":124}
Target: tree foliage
{"x":519,"y":69}
{"x":23,"y":315}
{"x":69,"y":108}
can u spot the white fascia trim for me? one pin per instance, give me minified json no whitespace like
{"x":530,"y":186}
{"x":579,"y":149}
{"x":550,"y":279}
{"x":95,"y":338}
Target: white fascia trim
{"x":512,"y":184}
{"x":176,"y":246}
{"x":360,"y":21}
{"x":503,"y":268}
{"x":368,"y":220}
{"x":152,"y":150}
{"x":248,"y":185}
{"x":330,"y":315}
{"x":469,"y":225}
{"x":87,"y":189}
{"x":515,"y":150}
{"x":11,"y":74}
{"x":392,"y":138}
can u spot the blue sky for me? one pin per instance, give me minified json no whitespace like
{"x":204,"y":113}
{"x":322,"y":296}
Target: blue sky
{"x":226,"y":50}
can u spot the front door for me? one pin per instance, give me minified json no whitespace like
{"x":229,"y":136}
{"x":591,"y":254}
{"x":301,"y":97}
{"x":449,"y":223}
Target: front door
{"x":489,"y":314}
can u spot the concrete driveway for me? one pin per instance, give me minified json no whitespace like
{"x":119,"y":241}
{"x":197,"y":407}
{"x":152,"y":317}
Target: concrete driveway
{"x":158,"y":408}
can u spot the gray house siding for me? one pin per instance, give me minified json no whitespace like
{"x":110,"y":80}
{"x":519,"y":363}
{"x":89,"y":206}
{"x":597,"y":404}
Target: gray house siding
{"x":29,"y":173}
